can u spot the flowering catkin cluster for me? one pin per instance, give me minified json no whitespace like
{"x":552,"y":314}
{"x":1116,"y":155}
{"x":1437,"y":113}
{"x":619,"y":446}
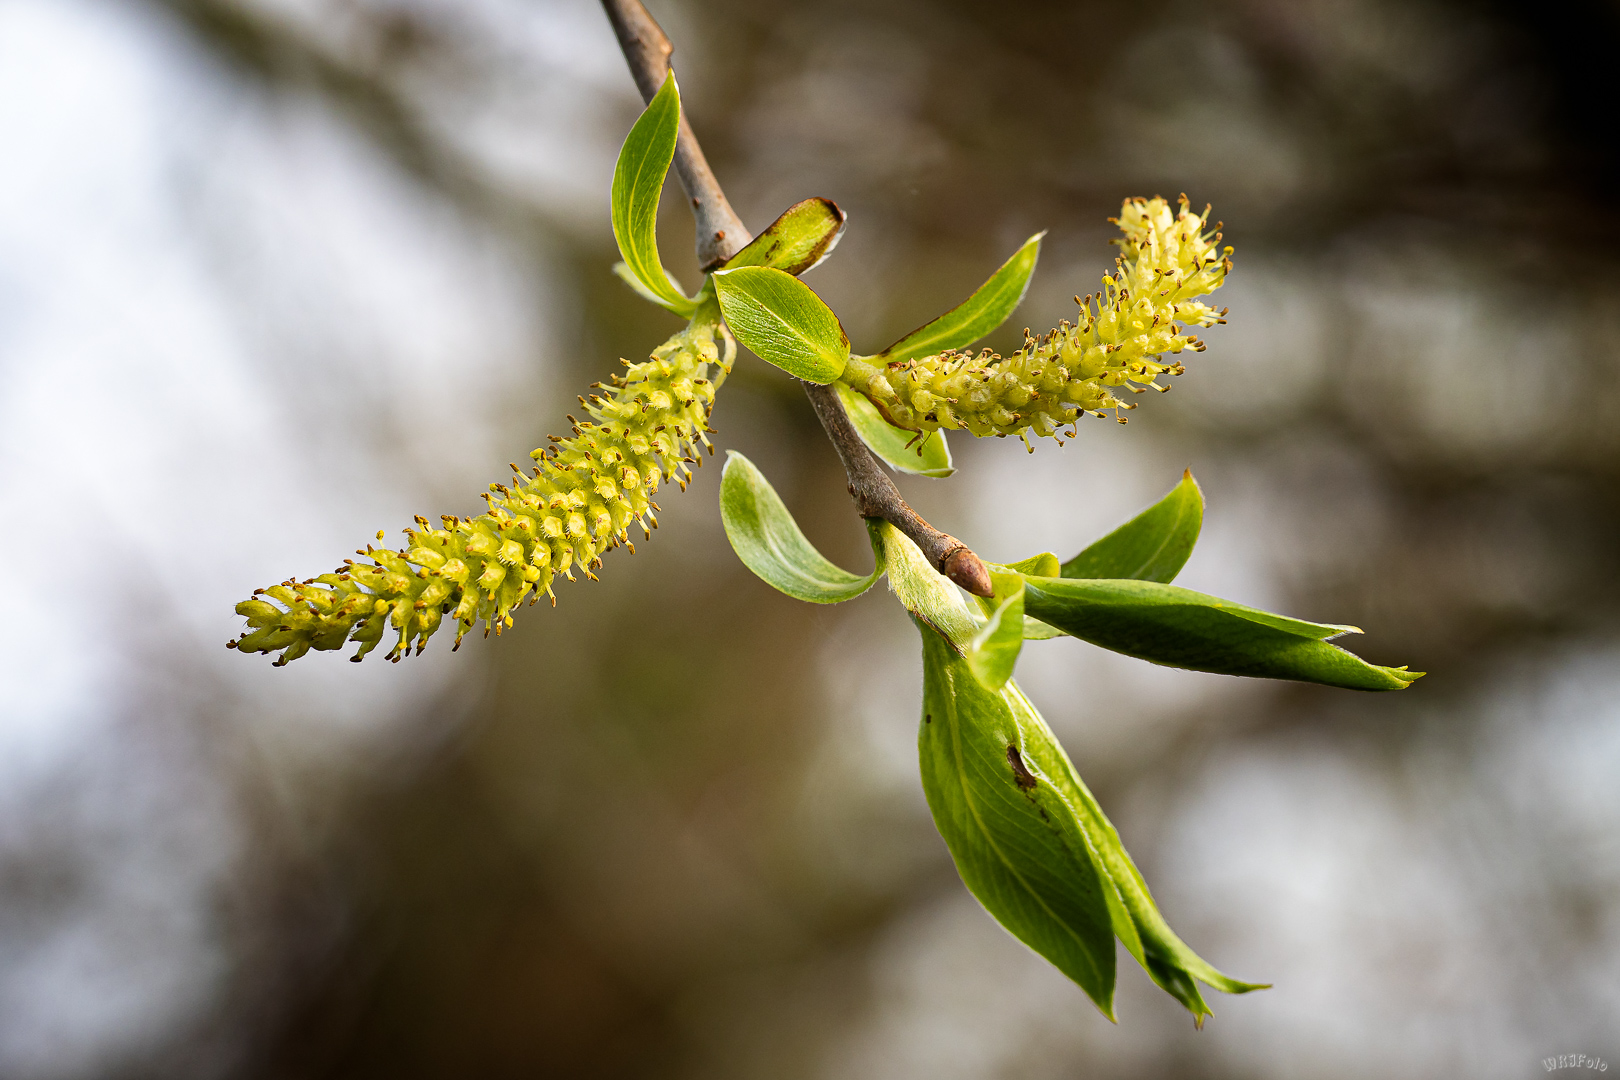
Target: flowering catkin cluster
{"x":585,"y":493}
{"x":1168,"y":260}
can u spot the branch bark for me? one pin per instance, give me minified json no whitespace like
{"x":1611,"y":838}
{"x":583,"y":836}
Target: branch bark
{"x":720,"y":235}
{"x":876,"y":497}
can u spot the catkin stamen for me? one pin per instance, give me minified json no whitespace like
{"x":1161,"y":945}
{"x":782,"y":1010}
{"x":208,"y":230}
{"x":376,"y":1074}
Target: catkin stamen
{"x":585,"y":492}
{"x":1119,"y":340}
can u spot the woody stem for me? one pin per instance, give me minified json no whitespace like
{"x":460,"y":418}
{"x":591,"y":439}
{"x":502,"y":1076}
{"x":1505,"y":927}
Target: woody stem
{"x":720,"y":235}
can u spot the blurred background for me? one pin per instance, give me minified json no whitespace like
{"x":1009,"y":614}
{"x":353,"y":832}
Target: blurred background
{"x":275,"y":274}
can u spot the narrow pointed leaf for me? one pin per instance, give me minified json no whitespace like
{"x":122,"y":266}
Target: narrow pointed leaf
{"x":907,"y":451}
{"x":1153,"y":546}
{"x":783,"y":321}
{"x":1031,"y":842}
{"x":1016,"y":844}
{"x":1037,"y":860}
{"x":1141,"y":928}
{"x":769,"y":542}
{"x":1177,"y":627}
{"x":993,"y":652}
{"x":638,"y":183}
{"x":805,"y":234}
{"x":974,"y":317}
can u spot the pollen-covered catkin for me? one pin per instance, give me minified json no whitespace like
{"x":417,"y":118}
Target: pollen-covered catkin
{"x":585,"y":493}
{"x":1168,"y":260}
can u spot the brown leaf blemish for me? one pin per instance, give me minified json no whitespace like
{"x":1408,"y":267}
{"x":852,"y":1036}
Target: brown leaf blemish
{"x":1021,"y":775}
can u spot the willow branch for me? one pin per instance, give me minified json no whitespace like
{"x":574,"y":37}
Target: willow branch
{"x":720,"y":235}
{"x":876,"y":497}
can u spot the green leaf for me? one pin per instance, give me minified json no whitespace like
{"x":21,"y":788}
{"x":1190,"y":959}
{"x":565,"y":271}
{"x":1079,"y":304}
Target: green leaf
{"x":1176,"y":627}
{"x":907,"y":451}
{"x":1028,"y":838}
{"x":924,"y":591}
{"x":638,"y":182}
{"x":1017,"y":845}
{"x":768,"y":541}
{"x":622,"y":271}
{"x":1153,"y":546}
{"x":974,"y":317}
{"x":1031,"y":843}
{"x":805,"y":234}
{"x":1141,"y":928}
{"x":1043,"y":565}
{"x":993,"y":651}
{"x":1035,"y":630}
{"x":783,"y":321}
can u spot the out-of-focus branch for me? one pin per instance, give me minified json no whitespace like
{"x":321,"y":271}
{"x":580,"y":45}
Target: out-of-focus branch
{"x":720,"y":234}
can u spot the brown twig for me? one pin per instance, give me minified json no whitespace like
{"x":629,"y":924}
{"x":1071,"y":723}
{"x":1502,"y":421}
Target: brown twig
{"x":720,"y":234}
{"x":876,"y":497}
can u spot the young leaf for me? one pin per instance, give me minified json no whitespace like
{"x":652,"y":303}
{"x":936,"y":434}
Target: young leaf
{"x":805,"y":234}
{"x":974,"y":317}
{"x":622,"y":271}
{"x":783,"y":322}
{"x":993,"y":651}
{"x":1043,"y":565}
{"x":1036,"y":883}
{"x":1153,"y":546}
{"x":1035,"y":630}
{"x":907,"y":451}
{"x":768,"y":541}
{"x":638,"y":181}
{"x":1141,"y":928}
{"x":1176,"y":627}
{"x":926,"y":593}
{"x":1016,"y":844}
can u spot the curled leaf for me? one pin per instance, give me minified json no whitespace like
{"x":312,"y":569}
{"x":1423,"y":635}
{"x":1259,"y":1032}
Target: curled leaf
{"x":769,"y":542}
{"x":993,"y":652}
{"x":922,"y":453}
{"x":805,"y":234}
{"x":1153,"y":546}
{"x":638,"y":183}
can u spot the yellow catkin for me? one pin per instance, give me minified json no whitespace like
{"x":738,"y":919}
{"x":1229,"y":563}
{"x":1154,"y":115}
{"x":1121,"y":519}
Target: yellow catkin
{"x":585,"y":493}
{"x":1168,"y":260}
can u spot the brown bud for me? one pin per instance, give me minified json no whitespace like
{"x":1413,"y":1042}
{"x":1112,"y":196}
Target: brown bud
{"x":965,"y":569}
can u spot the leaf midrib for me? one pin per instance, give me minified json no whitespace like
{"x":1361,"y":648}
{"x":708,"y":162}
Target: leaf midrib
{"x":961,"y":773}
